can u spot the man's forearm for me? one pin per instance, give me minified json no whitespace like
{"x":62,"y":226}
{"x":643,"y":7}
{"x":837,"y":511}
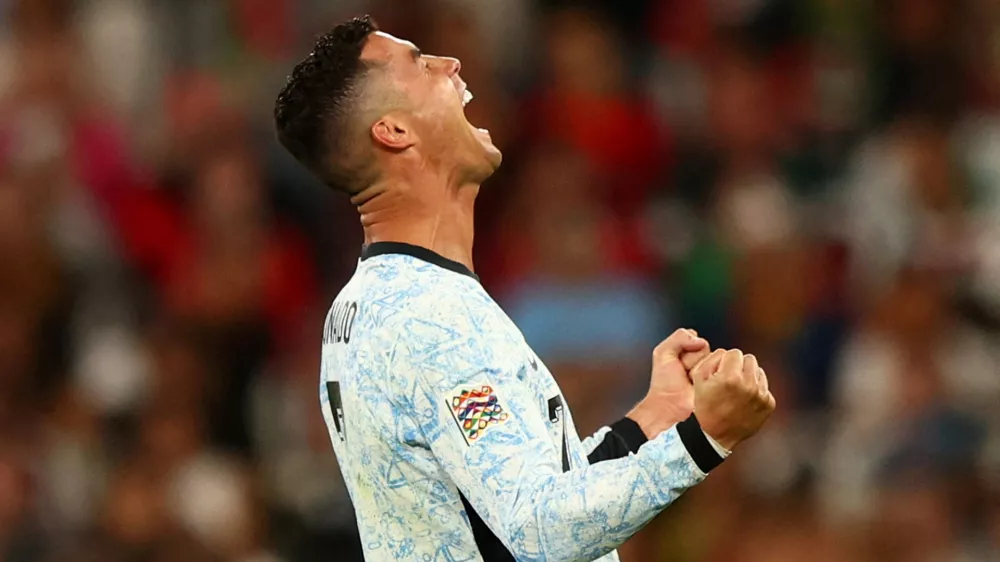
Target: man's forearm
{"x":587,"y":512}
{"x":629,"y":433}
{"x":654,"y":420}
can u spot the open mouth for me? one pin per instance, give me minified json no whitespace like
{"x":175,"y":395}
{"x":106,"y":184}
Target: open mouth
{"x":466,"y":98}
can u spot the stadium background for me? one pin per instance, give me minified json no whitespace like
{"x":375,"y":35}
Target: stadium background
{"x":815,"y":181}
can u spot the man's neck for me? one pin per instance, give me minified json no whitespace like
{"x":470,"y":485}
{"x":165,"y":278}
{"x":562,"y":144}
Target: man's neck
{"x":436,"y":219}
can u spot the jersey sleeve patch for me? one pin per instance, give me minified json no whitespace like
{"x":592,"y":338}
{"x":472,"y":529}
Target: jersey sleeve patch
{"x":476,"y":410}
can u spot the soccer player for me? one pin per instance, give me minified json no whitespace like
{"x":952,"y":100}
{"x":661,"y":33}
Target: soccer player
{"x":453,"y":438}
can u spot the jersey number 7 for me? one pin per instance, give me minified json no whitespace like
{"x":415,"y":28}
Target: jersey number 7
{"x":336,"y":408}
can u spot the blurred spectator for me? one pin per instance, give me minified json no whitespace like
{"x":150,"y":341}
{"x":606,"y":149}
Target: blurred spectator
{"x":585,"y":102}
{"x":813,"y":181}
{"x":914,"y":358}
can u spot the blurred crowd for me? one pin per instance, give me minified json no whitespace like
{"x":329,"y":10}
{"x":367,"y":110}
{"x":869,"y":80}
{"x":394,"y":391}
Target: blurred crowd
{"x":808,"y":180}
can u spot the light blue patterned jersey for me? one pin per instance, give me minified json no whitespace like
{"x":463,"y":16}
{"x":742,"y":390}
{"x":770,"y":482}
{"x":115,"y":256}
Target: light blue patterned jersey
{"x":453,"y":437}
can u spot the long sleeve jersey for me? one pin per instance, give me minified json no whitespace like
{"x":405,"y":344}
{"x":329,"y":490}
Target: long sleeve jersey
{"x":454,"y":439}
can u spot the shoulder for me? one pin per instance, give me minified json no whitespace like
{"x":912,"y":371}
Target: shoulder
{"x":404,"y":290}
{"x":422,"y":306}
{"x":442,"y":325}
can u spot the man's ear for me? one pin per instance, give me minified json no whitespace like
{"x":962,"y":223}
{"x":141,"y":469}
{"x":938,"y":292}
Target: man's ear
{"x":393,"y":132}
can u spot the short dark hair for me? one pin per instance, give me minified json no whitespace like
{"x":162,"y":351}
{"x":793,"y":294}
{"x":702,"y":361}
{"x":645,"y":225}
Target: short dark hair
{"x":313,"y":111}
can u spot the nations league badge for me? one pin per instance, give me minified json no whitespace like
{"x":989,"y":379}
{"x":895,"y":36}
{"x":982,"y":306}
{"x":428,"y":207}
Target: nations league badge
{"x":476,"y":410}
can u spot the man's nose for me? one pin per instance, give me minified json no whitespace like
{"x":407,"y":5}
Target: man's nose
{"x":450,"y":65}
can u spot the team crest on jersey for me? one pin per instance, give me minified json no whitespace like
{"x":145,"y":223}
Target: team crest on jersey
{"x":476,"y":411}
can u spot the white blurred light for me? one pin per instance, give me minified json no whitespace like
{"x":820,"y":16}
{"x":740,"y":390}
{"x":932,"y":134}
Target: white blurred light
{"x":113,"y":372}
{"x":210,"y":499}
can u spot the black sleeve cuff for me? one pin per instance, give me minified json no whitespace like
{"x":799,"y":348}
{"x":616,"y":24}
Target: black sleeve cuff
{"x":630,"y":432}
{"x":696,"y":443}
{"x":625,"y":437}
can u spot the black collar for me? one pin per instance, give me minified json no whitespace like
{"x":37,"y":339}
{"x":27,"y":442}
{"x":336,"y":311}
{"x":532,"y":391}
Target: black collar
{"x":382,"y":248}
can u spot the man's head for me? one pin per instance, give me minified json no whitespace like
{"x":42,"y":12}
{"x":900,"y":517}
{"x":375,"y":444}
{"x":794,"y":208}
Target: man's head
{"x":364,"y":105}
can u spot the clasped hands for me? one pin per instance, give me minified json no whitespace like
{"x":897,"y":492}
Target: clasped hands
{"x":726,"y":390}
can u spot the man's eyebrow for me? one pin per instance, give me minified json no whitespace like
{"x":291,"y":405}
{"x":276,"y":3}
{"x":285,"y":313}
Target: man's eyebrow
{"x":416,"y":53}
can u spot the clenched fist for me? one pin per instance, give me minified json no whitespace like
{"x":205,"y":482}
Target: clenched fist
{"x":672,"y":359}
{"x":731,"y":396}
{"x":671,"y":393}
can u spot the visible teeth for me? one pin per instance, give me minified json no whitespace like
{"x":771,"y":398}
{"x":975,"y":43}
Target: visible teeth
{"x":466,"y":98}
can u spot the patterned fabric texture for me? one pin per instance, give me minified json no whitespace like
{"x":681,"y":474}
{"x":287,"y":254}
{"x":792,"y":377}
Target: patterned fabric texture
{"x":431,"y":395}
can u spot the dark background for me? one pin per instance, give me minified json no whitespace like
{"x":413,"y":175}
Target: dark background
{"x":815,"y":181}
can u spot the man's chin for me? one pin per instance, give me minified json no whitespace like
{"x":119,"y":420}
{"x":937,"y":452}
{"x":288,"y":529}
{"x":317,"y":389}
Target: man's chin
{"x":494,"y":156}
{"x":492,"y":153}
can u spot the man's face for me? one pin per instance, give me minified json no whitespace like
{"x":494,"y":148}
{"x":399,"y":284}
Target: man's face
{"x":437,"y":96}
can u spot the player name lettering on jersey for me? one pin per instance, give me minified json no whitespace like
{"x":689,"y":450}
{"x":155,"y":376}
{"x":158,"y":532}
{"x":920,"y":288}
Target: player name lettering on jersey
{"x":339,"y":322}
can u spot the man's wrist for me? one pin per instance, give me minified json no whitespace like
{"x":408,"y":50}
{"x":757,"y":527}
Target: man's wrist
{"x":654,"y":420}
{"x":723,"y":452}
{"x":702,"y":448}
